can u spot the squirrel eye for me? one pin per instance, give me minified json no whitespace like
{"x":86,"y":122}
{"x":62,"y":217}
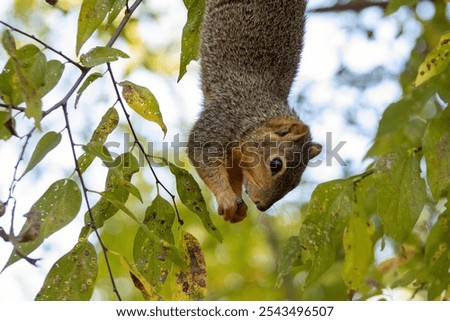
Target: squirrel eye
{"x":276,"y":165}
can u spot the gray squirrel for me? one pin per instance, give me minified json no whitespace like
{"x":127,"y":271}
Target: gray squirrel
{"x":247,"y":135}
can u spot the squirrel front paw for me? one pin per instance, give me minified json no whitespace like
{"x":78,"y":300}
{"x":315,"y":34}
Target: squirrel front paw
{"x":232,"y":210}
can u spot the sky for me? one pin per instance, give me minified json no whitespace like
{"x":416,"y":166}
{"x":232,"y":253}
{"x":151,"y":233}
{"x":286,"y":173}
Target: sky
{"x":325,"y":46}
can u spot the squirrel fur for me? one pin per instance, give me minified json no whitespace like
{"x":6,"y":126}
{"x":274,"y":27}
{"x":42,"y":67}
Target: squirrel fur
{"x":246,"y":134}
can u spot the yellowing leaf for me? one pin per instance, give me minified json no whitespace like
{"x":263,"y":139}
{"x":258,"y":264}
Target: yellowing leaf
{"x":139,"y":281}
{"x":191,"y":284}
{"x":436,"y":61}
{"x":437,"y":256}
{"x":142,"y":101}
{"x":358,"y":250}
{"x":105,"y":127}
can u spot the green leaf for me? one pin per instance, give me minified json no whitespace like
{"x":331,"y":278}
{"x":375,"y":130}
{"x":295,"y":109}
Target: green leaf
{"x":92,"y":14}
{"x":118,"y":176}
{"x":100,"y":55}
{"x":8,"y":42}
{"x":142,"y":101}
{"x":58,"y":207}
{"x":45,"y":145}
{"x":23,"y":75}
{"x":72,"y":277}
{"x":401,"y":126}
{"x":191,"y":196}
{"x":190,"y":285}
{"x":149,"y":255}
{"x":436,"y":149}
{"x":172,"y":252}
{"x":436,"y":61}
{"x":437,"y":256}
{"x":290,"y":256}
{"x":401,"y":193}
{"x":5,"y":131}
{"x":29,"y":61}
{"x":358,"y":249}
{"x":321,"y":233}
{"x":88,"y":81}
{"x":394,"y":5}
{"x":190,"y":39}
{"x":98,"y":150}
{"x":27,"y":77}
{"x":107,"y":124}
{"x":53,"y":73}
{"x":116,"y":8}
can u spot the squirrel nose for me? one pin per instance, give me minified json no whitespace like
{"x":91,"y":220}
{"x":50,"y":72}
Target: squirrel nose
{"x":261,"y":207}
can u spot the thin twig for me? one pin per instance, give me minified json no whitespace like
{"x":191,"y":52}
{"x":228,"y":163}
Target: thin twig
{"x":351,"y":6}
{"x":15,"y":180}
{"x":85,"y":71}
{"x":141,"y":147}
{"x":21,"y":109}
{"x":128,"y":14}
{"x":73,"y":62}
{"x":85,"y":190}
{"x":69,"y":93}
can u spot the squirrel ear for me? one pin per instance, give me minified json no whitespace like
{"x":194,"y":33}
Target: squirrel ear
{"x":314,"y":150}
{"x":292,"y":130}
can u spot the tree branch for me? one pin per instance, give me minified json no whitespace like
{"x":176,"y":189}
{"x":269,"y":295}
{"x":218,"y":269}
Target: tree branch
{"x":351,"y":6}
{"x":73,"y":62}
{"x":22,"y":109}
{"x":85,"y":71}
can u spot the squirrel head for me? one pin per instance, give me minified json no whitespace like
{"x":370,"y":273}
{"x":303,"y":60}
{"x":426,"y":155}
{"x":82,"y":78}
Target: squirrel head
{"x":273,"y":159}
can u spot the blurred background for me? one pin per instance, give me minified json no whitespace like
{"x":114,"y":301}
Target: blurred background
{"x":356,"y":61}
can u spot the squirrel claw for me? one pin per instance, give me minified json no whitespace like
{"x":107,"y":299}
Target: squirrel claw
{"x":233,"y":211}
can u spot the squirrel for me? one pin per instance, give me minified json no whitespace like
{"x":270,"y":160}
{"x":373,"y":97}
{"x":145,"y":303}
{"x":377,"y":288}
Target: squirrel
{"x":247,"y":135}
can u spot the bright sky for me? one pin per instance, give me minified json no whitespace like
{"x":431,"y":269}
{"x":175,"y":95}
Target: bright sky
{"x":325,"y":45}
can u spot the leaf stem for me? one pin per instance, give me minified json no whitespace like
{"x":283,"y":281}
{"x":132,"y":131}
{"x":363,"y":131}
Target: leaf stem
{"x":141,"y":147}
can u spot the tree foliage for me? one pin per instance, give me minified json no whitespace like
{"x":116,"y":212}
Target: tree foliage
{"x":399,"y":202}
